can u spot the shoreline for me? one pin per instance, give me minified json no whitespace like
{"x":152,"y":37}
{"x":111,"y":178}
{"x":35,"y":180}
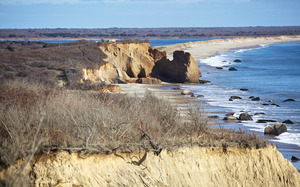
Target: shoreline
{"x":209,"y":49}
{"x":206,"y":49}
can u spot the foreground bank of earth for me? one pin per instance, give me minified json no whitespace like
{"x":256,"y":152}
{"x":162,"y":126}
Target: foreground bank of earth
{"x":184,"y":166}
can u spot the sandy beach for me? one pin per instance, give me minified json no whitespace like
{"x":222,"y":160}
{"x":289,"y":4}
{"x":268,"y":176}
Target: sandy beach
{"x":205,"y":49}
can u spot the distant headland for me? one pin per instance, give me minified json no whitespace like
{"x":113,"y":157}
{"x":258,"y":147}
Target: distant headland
{"x":146,"y":33}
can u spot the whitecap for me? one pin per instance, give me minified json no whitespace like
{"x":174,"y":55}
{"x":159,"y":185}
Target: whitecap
{"x":290,"y":138}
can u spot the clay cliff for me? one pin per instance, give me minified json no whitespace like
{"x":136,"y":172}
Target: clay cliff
{"x":186,"y":166}
{"x":111,"y":62}
{"x":132,"y":61}
{"x":183,"y":67}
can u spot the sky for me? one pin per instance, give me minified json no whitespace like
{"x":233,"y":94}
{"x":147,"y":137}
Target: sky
{"x":147,"y":13}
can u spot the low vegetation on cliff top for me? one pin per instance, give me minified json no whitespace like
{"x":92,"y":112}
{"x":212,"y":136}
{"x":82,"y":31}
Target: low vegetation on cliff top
{"x":35,"y":118}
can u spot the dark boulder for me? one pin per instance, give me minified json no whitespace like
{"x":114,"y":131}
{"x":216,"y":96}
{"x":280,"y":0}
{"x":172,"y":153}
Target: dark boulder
{"x":203,"y":81}
{"x":235,"y":97}
{"x":259,"y":113}
{"x":213,"y":117}
{"x":264,"y":121}
{"x":245,"y":117}
{"x":219,"y":67}
{"x":232,"y":69}
{"x":288,"y":100}
{"x":275,"y":129}
{"x":176,"y":88}
{"x":274,"y":104}
{"x":244,"y":89}
{"x":295,"y":159}
{"x":288,"y":122}
{"x":255,"y":99}
{"x":237,"y":60}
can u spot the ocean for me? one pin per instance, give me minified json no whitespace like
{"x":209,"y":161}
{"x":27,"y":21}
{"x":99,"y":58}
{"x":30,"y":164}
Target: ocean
{"x":270,"y":72}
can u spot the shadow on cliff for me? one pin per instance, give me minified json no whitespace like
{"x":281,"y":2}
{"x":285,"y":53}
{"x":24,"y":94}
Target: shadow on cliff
{"x":182,"y":68}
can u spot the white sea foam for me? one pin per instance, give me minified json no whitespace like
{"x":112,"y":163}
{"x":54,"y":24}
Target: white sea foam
{"x":218,"y":60}
{"x":290,"y":138}
{"x":251,"y":48}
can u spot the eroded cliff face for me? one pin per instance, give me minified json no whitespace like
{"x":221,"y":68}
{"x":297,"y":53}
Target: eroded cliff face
{"x":130,"y":61}
{"x":183,"y":67}
{"x":182,"y":167}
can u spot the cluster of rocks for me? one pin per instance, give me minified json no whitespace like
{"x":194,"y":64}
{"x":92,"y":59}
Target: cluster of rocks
{"x":276,"y":129}
{"x":242,"y":117}
{"x":253,"y":98}
{"x":188,"y":92}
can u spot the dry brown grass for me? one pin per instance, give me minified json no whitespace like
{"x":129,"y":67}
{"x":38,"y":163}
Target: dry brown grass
{"x":35,"y":118}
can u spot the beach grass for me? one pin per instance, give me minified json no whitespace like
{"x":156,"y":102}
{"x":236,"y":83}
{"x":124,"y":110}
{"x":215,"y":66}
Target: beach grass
{"x":36,"y":119}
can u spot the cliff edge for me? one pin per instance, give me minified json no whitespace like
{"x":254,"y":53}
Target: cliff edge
{"x":186,"y":166}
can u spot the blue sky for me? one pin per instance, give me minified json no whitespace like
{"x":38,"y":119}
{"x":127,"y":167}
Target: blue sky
{"x":147,"y":13}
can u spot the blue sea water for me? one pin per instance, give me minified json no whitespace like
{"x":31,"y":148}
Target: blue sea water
{"x":270,"y":72}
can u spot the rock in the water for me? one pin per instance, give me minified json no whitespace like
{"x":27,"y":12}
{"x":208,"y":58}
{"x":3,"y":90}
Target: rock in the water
{"x":213,"y":117}
{"x":237,"y":60}
{"x":200,"y":96}
{"x":275,"y":129}
{"x":235,"y":97}
{"x":265,"y":121}
{"x":244,"y":89}
{"x":230,"y":118}
{"x":245,"y":117}
{"x":259,"y":113}
{"x":187,"y":92}
{"x":230,"y":114}
{"x":251,"y":97}
{"x":203,"y":81}
{"x":266,"y":104}
{"x":255,"y":99}
{"x":219,"y":67}
{"x":176,"y":88}
{"x":148,"y":80}
{"x":288,"y":100}
{"x":295,"y":159}
{"x":288,"y":122}
{"x":232,"y":69}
